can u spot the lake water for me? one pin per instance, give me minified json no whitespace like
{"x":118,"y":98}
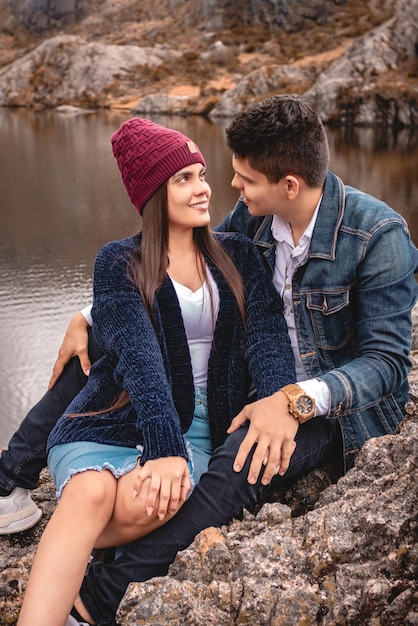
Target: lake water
{"x":61,"y":198}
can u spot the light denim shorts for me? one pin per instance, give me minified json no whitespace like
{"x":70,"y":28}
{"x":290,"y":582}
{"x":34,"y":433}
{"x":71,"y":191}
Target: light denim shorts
{"x":68,"y":459}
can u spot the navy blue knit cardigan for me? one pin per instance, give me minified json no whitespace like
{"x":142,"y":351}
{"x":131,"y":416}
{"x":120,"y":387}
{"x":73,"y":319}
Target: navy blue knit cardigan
{"x":153,"y":364}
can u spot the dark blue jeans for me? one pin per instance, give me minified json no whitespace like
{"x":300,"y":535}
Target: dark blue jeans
{"x":22,"y":462}
{"x":220,"y":496}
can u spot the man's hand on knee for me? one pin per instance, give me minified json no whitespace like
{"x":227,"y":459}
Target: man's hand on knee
{"x":272,"y":431}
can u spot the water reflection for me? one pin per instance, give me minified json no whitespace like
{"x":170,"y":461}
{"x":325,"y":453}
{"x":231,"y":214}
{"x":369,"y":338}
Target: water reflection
{"x":382,"y":163}
{"x":62,"y":198}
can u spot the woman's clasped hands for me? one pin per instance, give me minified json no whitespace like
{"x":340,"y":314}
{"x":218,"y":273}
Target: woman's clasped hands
{"x":162,"y":485}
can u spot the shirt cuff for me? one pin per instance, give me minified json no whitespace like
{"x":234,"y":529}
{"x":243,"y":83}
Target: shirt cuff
{"x":86,"y":313}
{"x":319,"y":390}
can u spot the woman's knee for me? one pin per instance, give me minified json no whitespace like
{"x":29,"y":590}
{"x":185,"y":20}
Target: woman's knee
{"x":129,"y":510}
{"x":91,"y":488}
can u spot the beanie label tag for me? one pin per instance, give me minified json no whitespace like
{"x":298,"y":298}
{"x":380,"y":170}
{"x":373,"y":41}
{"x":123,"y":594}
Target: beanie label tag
{"x":192,"y":147}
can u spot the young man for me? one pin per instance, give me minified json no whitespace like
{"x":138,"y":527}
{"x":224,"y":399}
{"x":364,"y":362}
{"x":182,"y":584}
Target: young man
{"x":344,"y":265}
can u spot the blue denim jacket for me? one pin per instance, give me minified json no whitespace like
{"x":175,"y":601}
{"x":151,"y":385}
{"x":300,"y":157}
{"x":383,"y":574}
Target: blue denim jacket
{"x":352,"y":298}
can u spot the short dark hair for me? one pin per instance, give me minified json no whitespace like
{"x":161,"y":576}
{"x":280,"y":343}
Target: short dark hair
{"x":282,"y":135}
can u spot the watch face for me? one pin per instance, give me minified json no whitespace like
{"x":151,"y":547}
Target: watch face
{"x":304,"y":405}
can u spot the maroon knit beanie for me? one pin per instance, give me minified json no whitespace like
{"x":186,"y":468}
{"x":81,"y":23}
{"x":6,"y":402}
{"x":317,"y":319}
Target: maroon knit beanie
{"x":148,"y":155}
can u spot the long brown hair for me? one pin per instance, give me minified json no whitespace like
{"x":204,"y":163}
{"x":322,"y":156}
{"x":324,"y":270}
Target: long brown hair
{"x":149,"y":262}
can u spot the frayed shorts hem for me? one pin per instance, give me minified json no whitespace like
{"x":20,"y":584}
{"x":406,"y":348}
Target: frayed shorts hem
{"x":68,"y":459}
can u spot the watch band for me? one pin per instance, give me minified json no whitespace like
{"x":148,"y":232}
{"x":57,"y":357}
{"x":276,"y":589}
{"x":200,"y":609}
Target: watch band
{"x":301,"y":405}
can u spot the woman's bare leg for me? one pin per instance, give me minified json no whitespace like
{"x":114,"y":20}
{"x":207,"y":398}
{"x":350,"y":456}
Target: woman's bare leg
{"x":83,"y":512}
{"x":130,"y":520}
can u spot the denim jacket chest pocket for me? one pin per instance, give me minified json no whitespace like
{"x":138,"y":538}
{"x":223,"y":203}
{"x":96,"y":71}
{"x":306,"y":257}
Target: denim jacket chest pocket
{"x":331,"y":318}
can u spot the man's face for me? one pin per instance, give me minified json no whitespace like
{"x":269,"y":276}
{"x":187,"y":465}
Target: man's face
{"x":261,"y":197}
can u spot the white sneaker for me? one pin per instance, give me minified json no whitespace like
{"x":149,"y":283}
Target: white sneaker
{"x":18,"y":512}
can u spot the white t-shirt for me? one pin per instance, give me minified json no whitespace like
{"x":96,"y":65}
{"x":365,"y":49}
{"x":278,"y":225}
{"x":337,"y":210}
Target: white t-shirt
{"x":199,"y":312}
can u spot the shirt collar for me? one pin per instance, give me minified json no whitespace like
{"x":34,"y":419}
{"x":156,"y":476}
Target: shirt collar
{"x":281,"y":230}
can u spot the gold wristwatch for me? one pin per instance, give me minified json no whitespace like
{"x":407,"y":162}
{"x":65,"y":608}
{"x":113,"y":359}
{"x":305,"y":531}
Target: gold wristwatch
{"x":301,"y":406}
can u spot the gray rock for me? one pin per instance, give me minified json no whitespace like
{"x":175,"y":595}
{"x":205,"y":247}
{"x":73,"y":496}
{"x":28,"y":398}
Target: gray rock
{"x":162,"y":104}
{"x":10,"y":24}
{"x":373,"y":83}
{"x":68,"y":109}
{"x":218,"y":53}
{"x":258,"y":84}
{"x":68,"y":70}
{"x":350,"y":89}
{"x":345,"y":562}
{"x":40,"y":15}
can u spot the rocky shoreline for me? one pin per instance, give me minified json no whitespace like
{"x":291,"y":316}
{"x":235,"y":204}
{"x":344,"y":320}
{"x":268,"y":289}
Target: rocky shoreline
{"x":333,"y":551}
{"x":356,"y":61}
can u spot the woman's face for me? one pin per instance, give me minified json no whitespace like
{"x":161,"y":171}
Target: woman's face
{"x":188,"y":196}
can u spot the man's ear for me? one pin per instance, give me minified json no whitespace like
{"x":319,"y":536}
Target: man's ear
{"x":292,"y":186}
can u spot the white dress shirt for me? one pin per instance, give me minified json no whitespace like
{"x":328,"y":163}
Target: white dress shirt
{"x":288,"y":257}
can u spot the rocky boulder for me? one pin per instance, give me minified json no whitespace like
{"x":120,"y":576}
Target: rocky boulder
{"x":363,"y":86}
{"x":39,"y":16}
{"x":374,"y":83}
{"x":353,"y":560}
{"x":68,"y":70}
{"x":260,"y":84}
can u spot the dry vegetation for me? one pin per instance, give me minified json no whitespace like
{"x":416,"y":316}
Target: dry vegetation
{"x":252,"y":41}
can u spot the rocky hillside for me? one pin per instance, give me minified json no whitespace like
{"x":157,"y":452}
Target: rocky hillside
{"x":355,"y":59}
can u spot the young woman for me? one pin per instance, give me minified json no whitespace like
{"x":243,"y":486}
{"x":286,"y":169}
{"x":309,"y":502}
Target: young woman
{"x":187,"y":320}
